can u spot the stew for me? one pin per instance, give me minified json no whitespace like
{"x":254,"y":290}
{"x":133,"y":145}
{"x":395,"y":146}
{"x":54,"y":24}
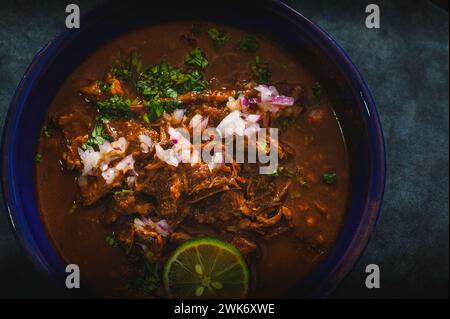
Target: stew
{"x":118,"y":194}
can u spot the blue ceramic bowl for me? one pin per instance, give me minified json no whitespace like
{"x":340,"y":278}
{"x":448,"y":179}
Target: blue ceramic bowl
{"x":355,"y":108}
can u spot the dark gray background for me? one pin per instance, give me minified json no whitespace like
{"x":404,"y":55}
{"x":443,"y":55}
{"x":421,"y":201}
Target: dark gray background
{"x":405,"y":64}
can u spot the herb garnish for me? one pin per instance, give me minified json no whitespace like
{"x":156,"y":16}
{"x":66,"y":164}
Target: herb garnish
{"x":196,"y":58}
{"x":330,"y":178}
{"x":295,"y":175}
{"x":38,"y":157}
{"x":111,"y":240}
{"x":166,"y":81}
{"x":49,"y":128}
{"x":218,"y":37}
{"x":98,"y":136}
{"x":149,"y":278}
{"x":156,"y":108}
{"x":317,"y":91}
{"x":122,"y":191}
{"x":247,"y":44}
{"x":261,"y":70}
{"x":158,"y":86}
{"x":115,"y":107}
{"x":129,"y":69}
{"x":104,"y":87}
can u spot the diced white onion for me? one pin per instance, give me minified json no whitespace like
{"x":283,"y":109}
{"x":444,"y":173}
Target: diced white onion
{"x":167,"y":156}
{"x":109,"y":175}
{"x":146,"y":143}
{"x":177,"y":116}
{"x":90,"y":160}
{"x":233,"y":123}
{"x":195,"y":121}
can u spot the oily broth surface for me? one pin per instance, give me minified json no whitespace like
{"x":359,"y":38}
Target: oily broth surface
{"x":79,"y":237}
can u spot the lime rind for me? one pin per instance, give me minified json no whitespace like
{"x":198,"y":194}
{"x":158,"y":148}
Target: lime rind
{"x":233,"y":281}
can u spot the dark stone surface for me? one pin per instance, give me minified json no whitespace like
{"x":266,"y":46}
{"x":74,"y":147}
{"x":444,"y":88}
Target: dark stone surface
{"x":406,"y":65}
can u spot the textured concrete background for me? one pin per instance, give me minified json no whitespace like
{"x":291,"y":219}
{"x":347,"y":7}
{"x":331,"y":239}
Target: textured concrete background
{"x":406,"y":65}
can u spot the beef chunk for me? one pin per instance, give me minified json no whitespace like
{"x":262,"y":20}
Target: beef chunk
{"x":125,"y":203}
{"x":179,"y":237}
{"x":77,"y":121}
{"x":163,"y":185}
{"x":130,"y":129}
{"x":246,"y":246}
{"x":93,"y":188}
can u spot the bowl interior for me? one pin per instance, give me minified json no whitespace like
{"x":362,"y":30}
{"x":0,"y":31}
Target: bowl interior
{"x":353,"y":105}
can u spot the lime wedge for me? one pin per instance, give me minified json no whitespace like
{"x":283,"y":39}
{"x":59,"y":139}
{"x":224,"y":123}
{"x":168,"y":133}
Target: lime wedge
{"x":206,"y":268}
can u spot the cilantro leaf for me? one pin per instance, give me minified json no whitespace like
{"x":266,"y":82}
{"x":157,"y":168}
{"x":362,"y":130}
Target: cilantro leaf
{"x":247,"y":44}
{"x":260,"y":70}
{"x":49,"y":128}
{"x":115,"y":107}
{"x":98,"y":137}
{"x":149,"y":278}
{"x":156,"y":108}
{"x":158,"y":86}
{"x":317,"y":92}
{"x":218,"y":37}
{"x":166,"y":81}
{"x":129,"y":69}
{"x":330,"y":178}
{"x":196,"y":58}
{"x":104,"y":87}
{"x":111,"y":240}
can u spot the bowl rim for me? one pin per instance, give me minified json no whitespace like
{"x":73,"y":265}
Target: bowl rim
{"x":373,"y":203}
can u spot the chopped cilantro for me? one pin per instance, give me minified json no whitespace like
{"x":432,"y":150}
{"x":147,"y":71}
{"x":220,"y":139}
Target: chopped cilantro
{"x":135,"y":63}
{"x":128,"y":69}
{"x":104,"y":87}
{"x":156,"y":108}
{"x":196,"y":58}
{"x":247,"y":44}
{"x":146,"y":119}
{"x":98,"y":137}
{"x":158,"y":86}
{"x":163,"y":80}
{"x":114,"y":107}
{"x":260,"y":70}
{"x":296,"y":175}
{"x":218,"y":37}
{"x":49,"y":128}
{"x":149,"y":278}
{"x":122,"y":73}
{"x":111,"y":240}
{"x":317,"y":91}
{"x":330,"y":178}
{"x":38,"y":157}
{"x":122,"y":191}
